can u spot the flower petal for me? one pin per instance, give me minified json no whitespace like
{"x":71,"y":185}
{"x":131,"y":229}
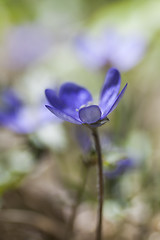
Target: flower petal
{"x":59,"y":113}
{"x":110,"y":89}
{"x":115,"y":103}
{"x":57,"y":103}
{"x":74,"y":96}
{"x":90,"y":114}
{"x":53,"y":99}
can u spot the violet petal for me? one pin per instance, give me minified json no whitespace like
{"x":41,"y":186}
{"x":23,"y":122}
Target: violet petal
{"x":59,"y":113}
{"x":53,"y":99}
{"x":110,"y":89}
{"x":108,"y":111}
{"x":74,"y":96}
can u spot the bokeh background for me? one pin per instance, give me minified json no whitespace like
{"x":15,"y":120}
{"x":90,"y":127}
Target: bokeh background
{"x":47,"y":171}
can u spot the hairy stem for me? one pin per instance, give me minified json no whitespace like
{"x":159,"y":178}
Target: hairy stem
{"x":100,"y":184}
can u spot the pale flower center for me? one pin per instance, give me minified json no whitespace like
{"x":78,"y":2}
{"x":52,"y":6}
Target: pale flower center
{"x":84,"y":105}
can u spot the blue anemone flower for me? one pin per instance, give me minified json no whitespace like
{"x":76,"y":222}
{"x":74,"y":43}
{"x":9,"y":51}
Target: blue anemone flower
{"x":10,"y":106}
{"x":25,"y":44}
{"x":73,"y":103}
{"x":20,"y":118}
{"x":112,"y":49}
{"x":121,"y":167}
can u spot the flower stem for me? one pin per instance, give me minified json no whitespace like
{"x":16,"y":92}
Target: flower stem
{"x":100,"y":184}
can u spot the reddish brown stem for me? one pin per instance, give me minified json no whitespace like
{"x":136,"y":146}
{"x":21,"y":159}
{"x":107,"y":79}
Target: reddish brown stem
{"x":100,"y":184}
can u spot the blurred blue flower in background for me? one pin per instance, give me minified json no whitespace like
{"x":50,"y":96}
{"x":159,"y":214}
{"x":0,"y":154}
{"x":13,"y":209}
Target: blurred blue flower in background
{"x":10,"y":105}
{"x":18,"y":117}
{"x":112,"y":49}
{"x":74,"y":102}
{"x":121,"y":167}
{"x":83,"y":138}
{"x":24,"y":44}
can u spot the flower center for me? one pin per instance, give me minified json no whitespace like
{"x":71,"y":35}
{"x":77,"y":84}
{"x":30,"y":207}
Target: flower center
{"x":84,"y":105}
